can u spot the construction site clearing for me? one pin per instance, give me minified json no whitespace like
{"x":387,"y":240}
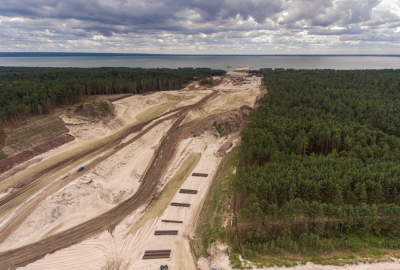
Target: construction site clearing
{"x":238,"y":79}
{"x":147,"y":173}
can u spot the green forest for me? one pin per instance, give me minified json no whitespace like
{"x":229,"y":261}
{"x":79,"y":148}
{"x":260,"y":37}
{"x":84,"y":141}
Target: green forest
{"x":27,"y":91}
{"x":319,"y":164}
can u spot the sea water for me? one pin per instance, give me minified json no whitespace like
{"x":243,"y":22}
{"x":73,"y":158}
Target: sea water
{"x":215,"y":62}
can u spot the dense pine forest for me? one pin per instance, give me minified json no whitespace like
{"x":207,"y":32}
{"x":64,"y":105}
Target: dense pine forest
{"x":319,"y":164}
{"x":27,"y":91}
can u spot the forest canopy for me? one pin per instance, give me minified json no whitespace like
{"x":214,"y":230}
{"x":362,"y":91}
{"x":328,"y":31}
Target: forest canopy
{"x":319,"y":164}
{"x":26,"y":91}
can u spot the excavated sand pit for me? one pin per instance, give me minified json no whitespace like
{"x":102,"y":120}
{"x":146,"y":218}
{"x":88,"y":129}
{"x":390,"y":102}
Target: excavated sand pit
{"x":135,"y":164}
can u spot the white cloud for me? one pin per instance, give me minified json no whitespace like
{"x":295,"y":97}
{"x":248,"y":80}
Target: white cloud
{"x":98,"y":37}
{"x":16,"y":19}
{"x":192,"y":26}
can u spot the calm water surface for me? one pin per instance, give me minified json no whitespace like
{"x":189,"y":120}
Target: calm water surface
{"x":216,"y":62}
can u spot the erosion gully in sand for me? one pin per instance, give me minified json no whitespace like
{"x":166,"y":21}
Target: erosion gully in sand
{"x":106,"y":216}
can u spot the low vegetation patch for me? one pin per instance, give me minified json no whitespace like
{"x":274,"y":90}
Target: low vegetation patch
{"x":219,"y":130}
{"x":103,"y":105}
{"x":335,"y":258}
{"x":209,"y":82}
{"x":215,"y":209}
{"x":2,"y":155}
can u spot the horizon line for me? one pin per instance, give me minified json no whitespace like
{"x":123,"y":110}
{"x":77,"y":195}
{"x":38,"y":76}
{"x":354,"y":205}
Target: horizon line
{"x":20,"y":54}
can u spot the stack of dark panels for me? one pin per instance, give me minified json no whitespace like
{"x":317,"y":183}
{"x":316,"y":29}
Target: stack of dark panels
{"x":171,"y":232}
{"x":156,"y":254}
{"x":188,"y":191}
{"x":180,"y":204}
{"x":200,"y":174}
{"x":171,"y":221}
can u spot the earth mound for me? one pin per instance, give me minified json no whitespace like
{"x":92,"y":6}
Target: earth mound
{"x":95,"y":110}
{"x":221,"y":124}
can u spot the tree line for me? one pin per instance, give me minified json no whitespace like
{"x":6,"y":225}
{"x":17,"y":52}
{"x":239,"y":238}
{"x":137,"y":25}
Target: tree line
{"x":319,"y":163}
{"x":27,"y":91}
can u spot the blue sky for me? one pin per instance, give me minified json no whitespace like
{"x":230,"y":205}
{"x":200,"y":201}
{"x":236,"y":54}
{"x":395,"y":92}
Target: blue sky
{"x":201,"y":26}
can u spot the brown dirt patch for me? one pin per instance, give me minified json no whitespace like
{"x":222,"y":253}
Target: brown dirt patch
{"x":112,"y":98}
{"x":222,"y":150}
{"x":33,"y":133}
{"x":95,"y":111}
{"x":18,"y":169}
{"x":10,"y":162}
{"x":232,"y":121}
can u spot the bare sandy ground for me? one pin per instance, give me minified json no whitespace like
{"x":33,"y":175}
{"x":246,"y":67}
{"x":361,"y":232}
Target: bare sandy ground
{"x":126,"y":247}
{"x":108,"y":184}
{"x":130,"y":111}
{"x":119,"y":176}
{"x":233,"y":71}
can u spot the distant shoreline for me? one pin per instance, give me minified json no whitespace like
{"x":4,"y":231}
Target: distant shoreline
{"x":342,"y":62}
{"x":79,"y":54}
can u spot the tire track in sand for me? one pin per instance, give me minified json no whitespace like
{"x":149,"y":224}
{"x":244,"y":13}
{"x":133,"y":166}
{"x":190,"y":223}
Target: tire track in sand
{"x":157,"y":167}
{"x":46,"y":176}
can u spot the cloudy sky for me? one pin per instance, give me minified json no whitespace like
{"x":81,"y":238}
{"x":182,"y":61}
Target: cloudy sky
{"x":201,"y":26}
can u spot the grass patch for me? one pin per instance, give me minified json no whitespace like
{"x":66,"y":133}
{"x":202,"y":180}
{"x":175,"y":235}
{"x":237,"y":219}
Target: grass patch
{"x":213,"y":214}
{"x":236,"y":263}
{"x":104,"y":105}
{"x":277,"y":261}
{"x":377,"y":252}
{"x":2,"y":155}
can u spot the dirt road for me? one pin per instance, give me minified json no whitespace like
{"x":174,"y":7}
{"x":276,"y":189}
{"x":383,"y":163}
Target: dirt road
{"x":45,"y":176}
{"x":108,"y":220}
